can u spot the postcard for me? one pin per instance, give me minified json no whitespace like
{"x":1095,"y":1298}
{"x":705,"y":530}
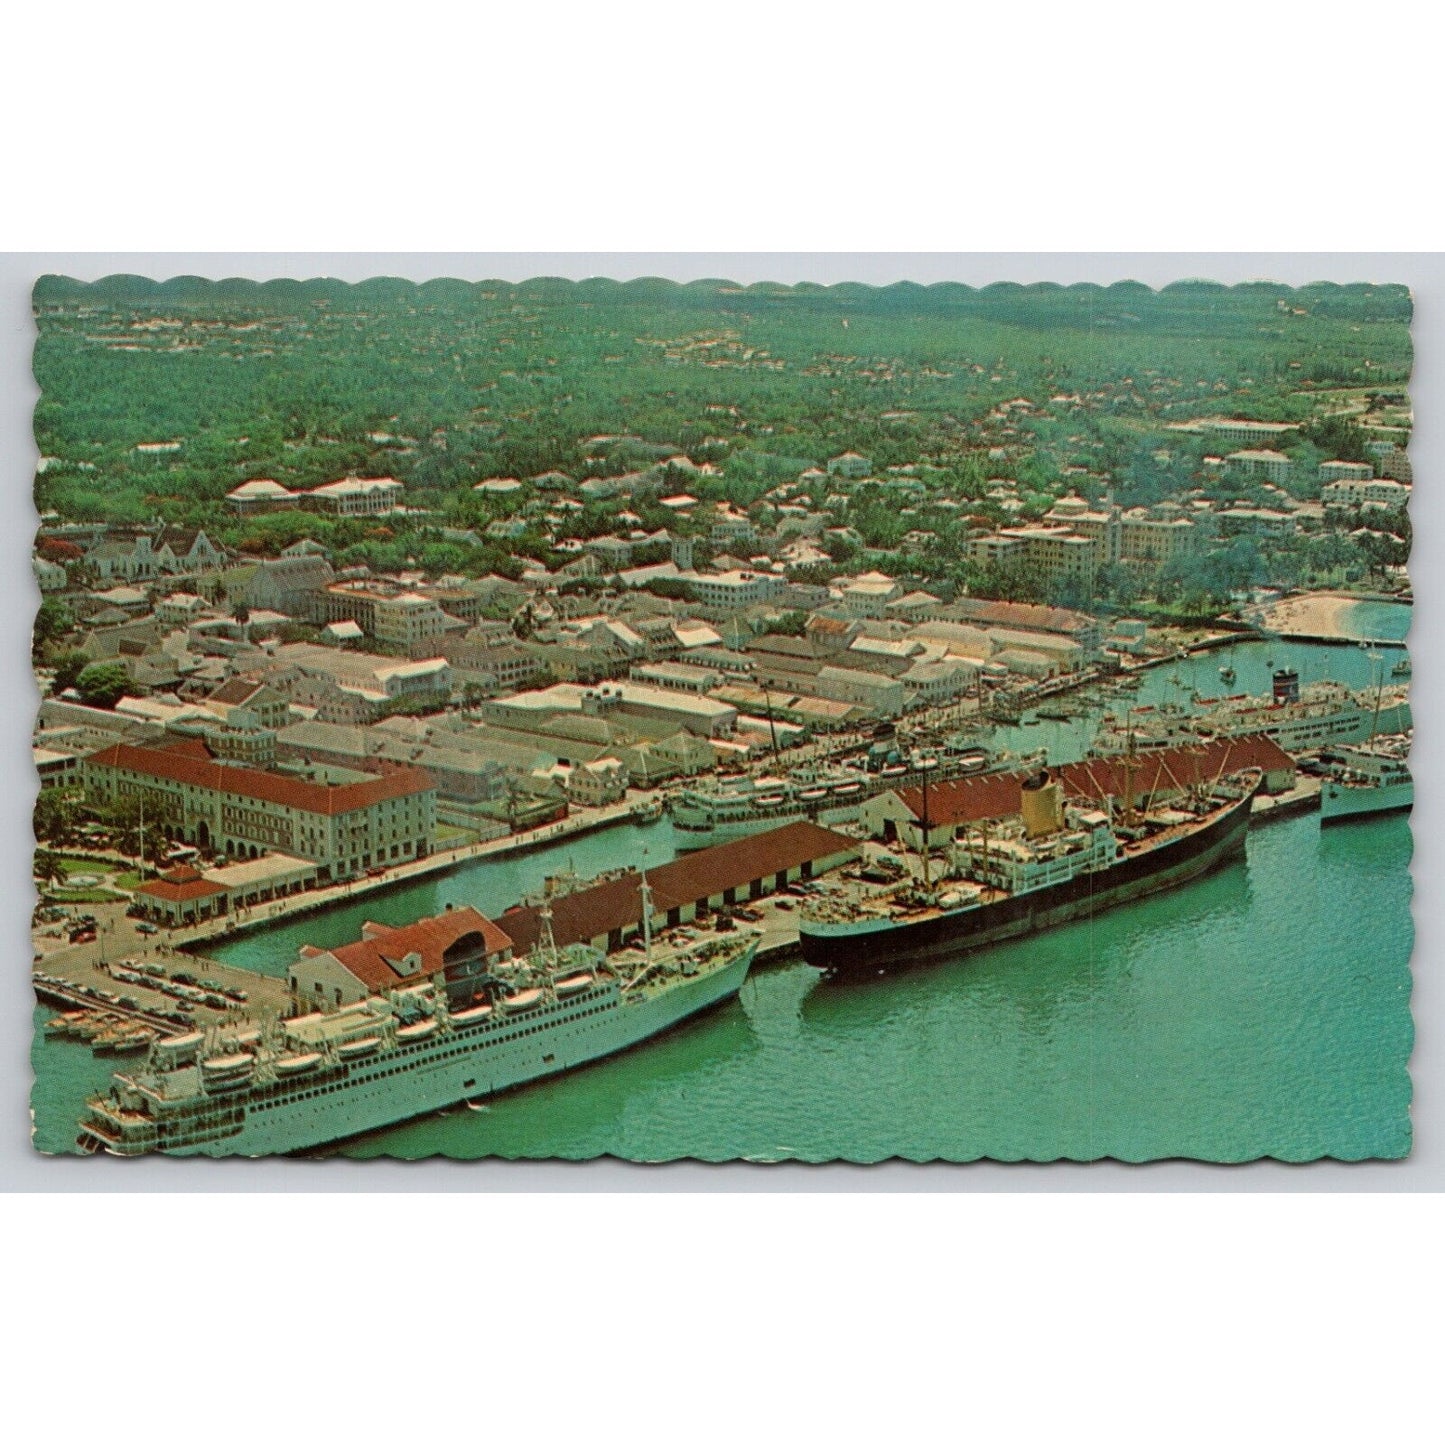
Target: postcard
{"x":560,"y":719}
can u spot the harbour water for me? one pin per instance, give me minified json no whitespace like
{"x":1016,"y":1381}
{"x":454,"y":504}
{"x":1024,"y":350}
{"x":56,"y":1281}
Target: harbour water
{"x":1261,"y":1012}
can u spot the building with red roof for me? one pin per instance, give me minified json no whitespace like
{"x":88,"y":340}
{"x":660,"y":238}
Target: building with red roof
{"x":609,"y":913}
{"x":343,"y":821}
{"x":1155,"y":775}
{"x":455,"y":949}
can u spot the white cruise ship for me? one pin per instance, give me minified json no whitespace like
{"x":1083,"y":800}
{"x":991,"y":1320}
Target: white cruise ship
{"x":1370,"y":779}
{"x":733,"y":808}
{"x":300,"y":1083}
{"x":1322,"y":714}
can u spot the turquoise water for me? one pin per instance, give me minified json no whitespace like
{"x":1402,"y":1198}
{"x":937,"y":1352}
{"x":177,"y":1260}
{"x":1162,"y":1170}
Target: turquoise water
{"x":488,"y":884}
{"x":1261,"y":1011}
{"x":1387,"y":621}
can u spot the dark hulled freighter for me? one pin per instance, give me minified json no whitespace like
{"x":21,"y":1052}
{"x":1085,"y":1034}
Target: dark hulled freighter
{"x":1050,"y":864}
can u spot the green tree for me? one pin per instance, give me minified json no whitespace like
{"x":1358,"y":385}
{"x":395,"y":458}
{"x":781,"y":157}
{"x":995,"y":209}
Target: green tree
{"x":47,"y":868}
{"x":67,"y":667}
{"x":53,"y":620}
{"x":102,"y":684}
{"x":55,"y":817}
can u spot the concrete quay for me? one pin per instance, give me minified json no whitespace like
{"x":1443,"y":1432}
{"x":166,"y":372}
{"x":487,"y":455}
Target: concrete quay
{"x":442,"y":861}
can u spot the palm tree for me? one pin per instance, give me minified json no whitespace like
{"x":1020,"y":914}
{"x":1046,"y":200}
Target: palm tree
{"x":47,"y":868}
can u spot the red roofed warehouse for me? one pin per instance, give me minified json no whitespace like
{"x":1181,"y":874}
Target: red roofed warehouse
{"x":608,"y":914}
{"x":343,"y":821}
{"x":456,"y":948}
{"x":1156,"y":774}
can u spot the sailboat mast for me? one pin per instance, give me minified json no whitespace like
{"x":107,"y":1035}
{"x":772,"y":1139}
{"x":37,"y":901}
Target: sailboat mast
{"x":646,"y":891}
{"x":925,"y":831}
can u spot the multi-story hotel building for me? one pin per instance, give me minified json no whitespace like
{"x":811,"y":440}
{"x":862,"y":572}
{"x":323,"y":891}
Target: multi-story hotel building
{"x":344,"y":821}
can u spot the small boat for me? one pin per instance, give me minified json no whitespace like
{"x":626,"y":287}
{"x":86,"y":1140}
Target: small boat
{"x":414,"y":1033}
{"x":290,"y":1065}
{"x":812,"y":795}
{"x":527,"y":998}
{"x":133,"y":1043}
{"x":574,"y":983}
{"x":228,"y":1064}
{"x":1401,"y":668}
{"x":359,"y":1048}
{"x":848,"y":790}
{"x":478,"y":1108}
{"x":182,"y":1044}
{"x":472,"y":1015}
{"x":1227,"y":673}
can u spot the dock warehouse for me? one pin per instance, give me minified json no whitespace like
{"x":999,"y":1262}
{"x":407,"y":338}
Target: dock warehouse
{"x":609,"y":914}
{"x":1157,"y":773}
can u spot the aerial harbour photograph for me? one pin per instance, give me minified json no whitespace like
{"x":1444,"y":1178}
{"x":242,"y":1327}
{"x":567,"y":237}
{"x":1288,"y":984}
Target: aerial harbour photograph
{"x":751,"y":723}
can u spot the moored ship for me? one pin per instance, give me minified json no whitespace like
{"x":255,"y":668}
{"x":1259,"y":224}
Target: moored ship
{"x":300,"y":1083}
{"x":723,"y":812}
{"x":1299,"y":719}
{"x":1368,"y":780}
{"x":1049,"y":865}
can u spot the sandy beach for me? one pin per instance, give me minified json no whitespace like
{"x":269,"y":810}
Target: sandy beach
{"x":1315,"y":614}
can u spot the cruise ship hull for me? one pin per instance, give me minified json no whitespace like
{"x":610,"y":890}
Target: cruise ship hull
{"x":1339,"y":803}
{"x":859,"y":948}
{"x":459,"y":1064}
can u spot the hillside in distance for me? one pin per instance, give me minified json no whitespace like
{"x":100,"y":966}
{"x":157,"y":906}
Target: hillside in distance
{"x":441,"y":383}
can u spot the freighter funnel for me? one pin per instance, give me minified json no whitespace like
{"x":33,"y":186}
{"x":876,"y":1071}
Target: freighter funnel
{"x":1042,"y":805}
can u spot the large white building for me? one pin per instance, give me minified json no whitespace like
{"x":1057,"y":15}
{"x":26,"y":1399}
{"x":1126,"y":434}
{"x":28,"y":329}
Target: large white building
{"x":1379,"y":491}
{"x":410,"y":621}
{"x":1260,"y":462}
{"x":734,"y":589}
{"x":1338,"y":471}
{"x":358,"y":496}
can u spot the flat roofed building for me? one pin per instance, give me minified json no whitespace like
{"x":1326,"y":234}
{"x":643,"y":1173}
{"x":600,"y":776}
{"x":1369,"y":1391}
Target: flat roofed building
{"x":733,"y":589}
{"x":1058,"y":554}
{"x":410,"y":621}
{"x":186,"y":895}
{"x":1338,"y":471}
{"x":882,"y":696}
{"x":1260,"y":462}
{"x":1378,"y":491}
{"x":1147,"y":538}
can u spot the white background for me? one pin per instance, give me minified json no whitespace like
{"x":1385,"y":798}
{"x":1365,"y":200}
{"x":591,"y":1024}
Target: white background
{"x":785,"y":129}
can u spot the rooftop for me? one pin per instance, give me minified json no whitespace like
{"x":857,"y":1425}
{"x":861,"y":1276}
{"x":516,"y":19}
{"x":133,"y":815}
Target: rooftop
{"x":192,"y":763}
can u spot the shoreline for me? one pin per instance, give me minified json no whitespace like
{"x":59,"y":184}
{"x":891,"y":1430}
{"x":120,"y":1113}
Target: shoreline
{"x":1321,"y":617}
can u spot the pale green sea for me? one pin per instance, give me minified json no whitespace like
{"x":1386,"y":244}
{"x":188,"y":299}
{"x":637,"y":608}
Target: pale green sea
{"x":1264,"y":1011}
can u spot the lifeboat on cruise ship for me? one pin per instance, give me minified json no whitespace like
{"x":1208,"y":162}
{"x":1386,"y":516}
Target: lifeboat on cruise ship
{"x":359,"y":1048}
{"x":769,"y":800}
{"x":228,"y":1071}
{"x":289,"y":1066}
{"x":414,"y":1033}
{"x":848,"y":790}
{"x":179,"y":1049}
{"x":527,"y":998}
{"x":812,"y":795}
{"x":574,"y":983}
{"x":466,"y":1016}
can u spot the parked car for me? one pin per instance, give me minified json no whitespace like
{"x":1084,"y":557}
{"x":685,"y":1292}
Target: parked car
{"x":146,"y":928}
